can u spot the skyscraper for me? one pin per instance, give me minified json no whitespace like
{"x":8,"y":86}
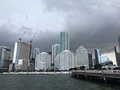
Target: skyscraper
{"x":90,"y":61}
{"x":21,"y":51}
{"x":65,"y":60}
{"x":103,"y":58}
{"x":42,"y":61}
{"x":119,"y":41}
{"x":55,"y":51}
{"x":4,"y":55}
{"x":117,"y":56}
{"x":22,"y":64}
{"x":97,"y":55}
{"x":111,"y":54}
{"x":36,"y":51}
{"x":64,"y":41}
{"x":82,"y":57}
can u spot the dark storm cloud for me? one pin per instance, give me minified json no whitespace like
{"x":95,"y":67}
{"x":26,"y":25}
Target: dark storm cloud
{"x":92,"y":23}
{"x":45,"y":40}
{"x":7,"y":36}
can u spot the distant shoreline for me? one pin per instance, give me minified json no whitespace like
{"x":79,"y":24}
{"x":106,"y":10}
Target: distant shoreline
{"x":36,"y":73}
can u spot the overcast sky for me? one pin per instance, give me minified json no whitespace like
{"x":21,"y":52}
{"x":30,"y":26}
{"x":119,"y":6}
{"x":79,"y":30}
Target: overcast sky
{"x":91,"y":23}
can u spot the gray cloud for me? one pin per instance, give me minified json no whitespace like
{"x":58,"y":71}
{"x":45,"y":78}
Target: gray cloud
{"x":92,"y":23}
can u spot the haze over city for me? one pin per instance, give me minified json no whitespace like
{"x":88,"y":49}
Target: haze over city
{"x":93,"y":23}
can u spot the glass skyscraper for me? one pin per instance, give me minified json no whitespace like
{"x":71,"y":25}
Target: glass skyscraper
{"x":36,"y":51}
{"x":55,"y":51}
{"x":97,"y":55}
{"x":4,"y":55}
{"x":103,"y":59}
{"x":119,"y":41}
{"x":64,"y":41}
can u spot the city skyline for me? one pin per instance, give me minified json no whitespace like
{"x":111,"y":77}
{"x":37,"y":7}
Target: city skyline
{"x":85,"y":22}
{"x":62,"y":57}
{"x":59,"y":44}
{"x":105,"y":50}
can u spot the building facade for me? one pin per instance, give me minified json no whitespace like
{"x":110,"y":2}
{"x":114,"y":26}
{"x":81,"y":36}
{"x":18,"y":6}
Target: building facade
{"x":21,"y":51}
{"x":55,"y":51}
{"x":4,"y":56}
{"x":42,"y":61}
{"x":36,"y":51}
{"x":65,"y":60}
{"x":90,"y":61}
{"x":97,"y":55}
{"x":119,"y":41}
{"x":111,"y":55}
{"x":117,"y":54}
{"x":64,"y":41}
{"x":22,"y":65}
{"x":82,"y":57}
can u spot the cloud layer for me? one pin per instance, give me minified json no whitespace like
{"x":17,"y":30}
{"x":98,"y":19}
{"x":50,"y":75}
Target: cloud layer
{"x":93,"y":23}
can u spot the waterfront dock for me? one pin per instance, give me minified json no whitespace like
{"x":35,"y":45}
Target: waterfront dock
{"x":103,"y":75}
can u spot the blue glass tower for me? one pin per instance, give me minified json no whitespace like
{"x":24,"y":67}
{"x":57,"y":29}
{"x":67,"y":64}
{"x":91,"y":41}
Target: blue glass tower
{"x":97,"y":55}
{"x":64,"y":41}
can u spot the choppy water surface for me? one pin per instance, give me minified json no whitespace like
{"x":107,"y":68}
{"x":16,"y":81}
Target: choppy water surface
{"x":50,"y":82}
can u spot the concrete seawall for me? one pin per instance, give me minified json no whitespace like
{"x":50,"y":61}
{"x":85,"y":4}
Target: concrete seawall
{"x":47,"y":73}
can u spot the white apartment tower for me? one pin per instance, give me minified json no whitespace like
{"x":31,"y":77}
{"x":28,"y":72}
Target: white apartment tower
{"x":42,"y":61}
{"x":65,"y":60}
{"x":82,"y":57}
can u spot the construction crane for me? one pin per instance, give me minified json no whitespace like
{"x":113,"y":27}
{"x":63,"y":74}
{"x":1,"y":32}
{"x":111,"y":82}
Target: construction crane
{"x":31,"y":45}
{"x":23,"y":34}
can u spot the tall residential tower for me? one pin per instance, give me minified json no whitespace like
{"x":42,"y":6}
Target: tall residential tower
{"x":4,"y":55}
{"x":119,"y":41}
{"x":97,"y":55}
{"x":64,"y":41}
{"x":82,"y":57}
{"x":55,"y":51}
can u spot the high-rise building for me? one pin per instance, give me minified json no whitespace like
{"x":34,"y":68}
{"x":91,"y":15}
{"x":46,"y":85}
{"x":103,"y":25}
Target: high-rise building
{"x":65,"y":60}
{"x":55,"y":51}
{"x":118,"y":59}
{"x":103,"y":58}
{"x":4,"y":56}
{"x":110,"y":53}
{"x":119,"y":41}
{"x":90,"y":61}
{"x":42,"y":61}
{"x":22,"y":64}
{"x":64,"y":41}
{"x":97,"y":55}
{"x":117,"y":54}
{"x":82,"y":57}
{"x":36,"y":51}
{"x":21,"y":51}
